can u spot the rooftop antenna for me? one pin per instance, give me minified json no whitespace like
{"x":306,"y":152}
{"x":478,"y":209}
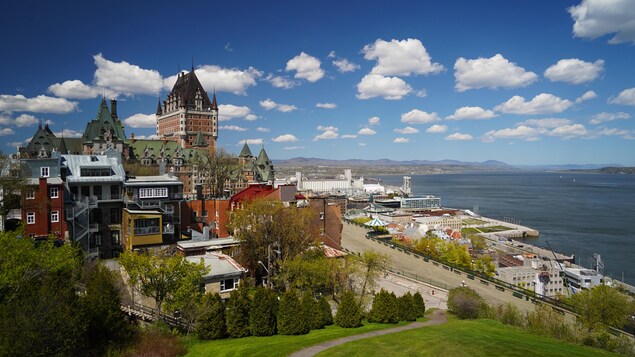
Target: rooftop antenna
{"x":192,"y":64}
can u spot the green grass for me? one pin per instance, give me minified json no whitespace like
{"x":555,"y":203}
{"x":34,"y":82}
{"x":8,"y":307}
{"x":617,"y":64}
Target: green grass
{"x":472,"y":221}
{"x":276,"y":345}
{"x":467,"y":231}
{"x":463,"y":338}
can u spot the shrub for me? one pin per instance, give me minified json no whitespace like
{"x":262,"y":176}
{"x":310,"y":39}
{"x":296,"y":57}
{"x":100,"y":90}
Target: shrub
{"x":325,"y":312}
{"x":510,"y":315}
{"x":406,"y":308}
{"x":349,"y":314}
{"x":311,"y":310}
{"x":238,"y":313}
{"x":157,"y":341}
{"x":466,"y":303}
{"x":291,"y":319}
{"x":210,"y":324}
{"x":384,"y":309}
{"x":420,"y":305}
{"x":263,"y":312}
{"x":546,"y":322}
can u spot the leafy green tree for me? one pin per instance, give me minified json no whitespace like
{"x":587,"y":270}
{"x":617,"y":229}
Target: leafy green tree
{"x":271,"y":232}
{"x":291,"y":318}
{"x":217,"y":169}
{"x":349,"y":313}
{"x":406,"y":307}
{"x":263,"y":312}
{"x":311,"y":270}
{"x":602,"y":306}
{"x":12,"y":182}
{"x":509,"y":314}
{"x":237,"y":315}
{"x":325,"y":312}
{"x":108,"y":326}
{"x":466,"y":303}
{"x":384,"y":309}
{"x":161,"y":276}
{"x":186,"y":299}
{"x":311,"y":311}
{"x":420,"y":304}
{"x":210,"y":324}
{"x":370,"y":267}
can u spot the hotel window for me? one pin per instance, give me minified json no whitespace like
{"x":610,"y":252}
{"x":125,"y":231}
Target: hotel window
{"x":55,"y":216}
{"x":153,"y":192}
{"x":30,"y":194}
{"x":228,"y":284}
{"x":30,"y":218}
{"x":44,"y":172}
{"x":54,"y":192}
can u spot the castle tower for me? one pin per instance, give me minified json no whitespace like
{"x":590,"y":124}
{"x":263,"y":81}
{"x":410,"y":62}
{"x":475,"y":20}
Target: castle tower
{"x":187,"y":111}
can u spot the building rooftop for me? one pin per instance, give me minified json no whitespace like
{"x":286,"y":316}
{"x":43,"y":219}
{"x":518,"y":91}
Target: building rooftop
{"x":74,"y":164}
{"x":145,"y":180}
{"x":219,"y":265}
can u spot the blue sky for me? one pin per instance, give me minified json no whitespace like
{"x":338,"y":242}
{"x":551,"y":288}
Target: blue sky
{"x":524,"y":82}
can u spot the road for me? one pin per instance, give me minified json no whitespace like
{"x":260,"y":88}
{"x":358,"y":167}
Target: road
{"x":353,"y":239}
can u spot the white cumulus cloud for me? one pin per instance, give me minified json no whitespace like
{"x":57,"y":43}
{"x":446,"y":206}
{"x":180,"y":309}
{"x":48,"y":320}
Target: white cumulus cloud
{"x":543,"y":103}
{"x":325,"y":128}
{"x":125,"y":78}
{"x":406,"y":130}
{"x":459,"y":137}
{"x":596,"y":18}
{"x":6,"y":131}
{"x":375,"y":85}
{"x":281,"y":81}
{"x":263,"y":130}
{"x":76,"y":89}
{"x":305,"y":67}
{"x":401,"y":140}
{"x":569,"y":131}
{"x":588,"y":95}
{"x":39,"y":104}
{"x":545,"y":123}
{"x":604,"y":117}
{"x":366,"y":131}
{"x":343,"y":65}
{"x":141,"y":120}
{"x":285,"y":138}
{"x":373,"y":120}
{"x":269,"y":104}
{"x":230,"y":111}
{"x":626,"y":97}
{"x":574,"y":71}
{"x":326,"y":105}
{"x":251,"y":142}
{"x":400,"y":58}
{"x":521,"y":132}
{"x":23,"y":120}
{"x":293,"y":147}
{"x":219,"y":79}
{"x":326,"y":135}
{"x":494,"y":72}
{"x":348,"y":136}
{"x":69,"y":133}
{"x":437,"y":129}
{"x":417,"y":116}
{"x":471,"y":113}
{"x":232,"y":128}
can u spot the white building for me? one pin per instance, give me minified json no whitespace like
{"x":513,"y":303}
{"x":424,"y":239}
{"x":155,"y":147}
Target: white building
{"x":344,"y":185}
{"x":429,"y":202}
{"x":581,"y":278}
{"x":440,"y":222}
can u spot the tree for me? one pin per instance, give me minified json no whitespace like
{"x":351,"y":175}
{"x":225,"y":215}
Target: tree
{"x":349,"y":313}
{"x":237,"y":315}
{"x":291,"y":317}
{"x":371,"y":265}
{"x":270,"y":232}
{"x":478,"y":242}
{"x":420,"y":304}
{"x":12,"y":181}
{"x":263,"y":312}
{"x":311,"y":270}
{"x":160,"y":276}
{"x":210,"y":324}
{"x":602,"y":305}
{"x":311,"y":311}
{"x":384,"y":309}
{"x":216,"y":170}
{"x":325,"y":312}
{"x":406,"y":307}
{"x":186,"y":299}
{"x":466,"y":303}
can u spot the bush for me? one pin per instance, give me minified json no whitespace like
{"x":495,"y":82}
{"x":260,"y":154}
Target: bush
{"x":510,"y":315}
{"x":466,"y":303}
{"x":291,"y":319}
{"x":406,"y":307}
{"x":263,"y":312}
{"x":384,"y":309}
{"x":325,"y":312}
{"x":210,"y":324}
{"x":311,"y":310}
{"x":238,"y":313}
{"x":546,"y":322}
{"x":420,"y":305}
{"x":349,"y":314}
{"x":157,"y":341}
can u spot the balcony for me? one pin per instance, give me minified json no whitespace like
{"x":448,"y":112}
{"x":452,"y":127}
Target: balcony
{"x":93,"y":227}
{"x":147,"y":230}
{"x":168,"y":229}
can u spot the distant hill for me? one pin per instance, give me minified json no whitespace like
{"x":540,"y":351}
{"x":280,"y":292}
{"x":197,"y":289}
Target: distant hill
{"x":567,"y":167}
{"x":611,"y":170}
{"x":310,"y":161}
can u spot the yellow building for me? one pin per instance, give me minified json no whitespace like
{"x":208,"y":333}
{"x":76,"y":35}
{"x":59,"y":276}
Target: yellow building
{"x":142,"y":228}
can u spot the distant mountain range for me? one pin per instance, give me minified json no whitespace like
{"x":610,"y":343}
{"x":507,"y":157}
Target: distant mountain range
{"x":311,"y":161}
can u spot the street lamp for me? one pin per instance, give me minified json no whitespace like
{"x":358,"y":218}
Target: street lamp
{"x":267,"y":270}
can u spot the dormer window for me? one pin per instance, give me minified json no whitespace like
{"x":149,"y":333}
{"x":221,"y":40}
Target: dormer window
{"x":44,"y":171}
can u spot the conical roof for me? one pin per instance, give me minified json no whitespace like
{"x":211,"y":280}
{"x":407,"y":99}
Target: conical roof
{"x":245,"y":152}
{"x":200,"y":139}
{"x":185,"y":88}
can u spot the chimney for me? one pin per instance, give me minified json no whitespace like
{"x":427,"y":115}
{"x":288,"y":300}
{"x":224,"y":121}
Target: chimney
{"x":113,"y":108}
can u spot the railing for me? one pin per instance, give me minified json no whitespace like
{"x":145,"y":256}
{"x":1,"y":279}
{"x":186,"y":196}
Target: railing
{"x":147,"y":230}
{"x":168,"y":229}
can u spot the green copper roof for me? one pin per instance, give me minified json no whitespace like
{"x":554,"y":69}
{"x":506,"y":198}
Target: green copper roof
{"x":104,"y":122}
{"x":245,"y":152}
{"x":200,"y":139}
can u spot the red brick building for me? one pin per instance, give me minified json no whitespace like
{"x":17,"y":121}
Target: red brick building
{"x":43,"y":208}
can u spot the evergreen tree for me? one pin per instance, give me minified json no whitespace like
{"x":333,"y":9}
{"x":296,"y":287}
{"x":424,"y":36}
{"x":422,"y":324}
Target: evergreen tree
{"x":384,"y":309}
{"x":311,"y":310}
{"x":263,"y":312}
{"x":238,"y":313}
{"x":325,"y":312}
{"x":420,"y":304}
{"x":291,"y":319}
{"x":211,"y":321}
{"x":349,"y":313}
{"x":406,"y":307}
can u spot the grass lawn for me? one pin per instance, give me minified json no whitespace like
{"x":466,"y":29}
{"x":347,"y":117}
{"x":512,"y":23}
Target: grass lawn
{"x":472,"y":221}
{"x":467,"y":231}
{"x":277,"y":345}
{"x":463,"y":338}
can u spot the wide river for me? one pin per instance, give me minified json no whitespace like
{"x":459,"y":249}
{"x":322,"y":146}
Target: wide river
{"x":579,"y":214}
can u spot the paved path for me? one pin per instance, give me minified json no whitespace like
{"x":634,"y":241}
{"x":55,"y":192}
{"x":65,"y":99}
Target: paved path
{"x":438,"y":317}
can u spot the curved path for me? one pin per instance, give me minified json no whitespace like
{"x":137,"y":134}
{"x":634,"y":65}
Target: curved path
{"x":438,"y":317}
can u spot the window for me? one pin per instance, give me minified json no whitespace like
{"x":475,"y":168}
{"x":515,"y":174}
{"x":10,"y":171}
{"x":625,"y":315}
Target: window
{"x":153,"y":192}
{"x":30,"y":194}
{"x":228,"y":284}
{"x":114,"y":192}
{"x":55,"y":216}
{"x":147,"y":226}
{"x":104,"y":171}
{"x":115,"y":237}
{"x":54,"y":192}
{"x":204,"y":213}
{"x":97,"y":239}
{"x":115,"y":215}
{"x":30,"y":218}
{"x":44,"y":171}
{"x":97,"y":192}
